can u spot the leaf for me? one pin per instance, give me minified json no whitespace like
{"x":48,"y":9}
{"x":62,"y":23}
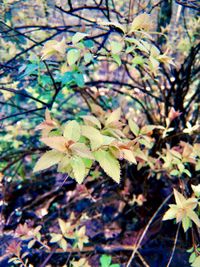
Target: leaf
{"x":196,"y":263}
{"x":133,"y":127}
{"x":116,"y":47}
{"x":79,"y":79}
{"x":81,"y":150}
{"x":73,"y":56}
{"x":55,"y":238}
{"x":105,"y":260}
{"x":55,"y":142}
{"x":117,"y":59}
{"x":113,"y":117}
{"x":186,"y":223}
{"x":63,"y":244}
{"x":113,"y":23}
{"x":47,"y":160}
{"x":192,"y":257}
{"x":91,"y":121}
{"x":141,"y":22}
{"x":88,"y":57}
{"x":193,"y":216}
{"x":53,"y":47}
{"x":31,"y":243}
{"x":94,"y":135}
{"x":78,"y":37}
{"x":78,"y":168}
{"x":170,"y":213}
{"x":109,"y":164}
{"x":129,"y":156}
{"x":180,"y":199}
{"x":72,"y":131}
{"x":62,"y":225}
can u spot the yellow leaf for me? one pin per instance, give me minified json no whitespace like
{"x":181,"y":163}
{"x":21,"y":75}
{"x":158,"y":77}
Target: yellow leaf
{"x":78,"y":168}
{"x":53,"y":47}
{"x":47,"y":160}
{"x":56,"y":142}
{"x":94,"y":135}
{"x":113,"y":117}
{"x":141,"y":22}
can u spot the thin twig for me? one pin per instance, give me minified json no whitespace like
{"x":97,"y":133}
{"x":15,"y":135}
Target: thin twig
{"x":174,"y":247}
{"x":136,"y":246}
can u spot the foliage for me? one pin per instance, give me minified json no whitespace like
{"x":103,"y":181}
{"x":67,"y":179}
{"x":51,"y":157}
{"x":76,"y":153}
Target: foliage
{"x":118,"y":85}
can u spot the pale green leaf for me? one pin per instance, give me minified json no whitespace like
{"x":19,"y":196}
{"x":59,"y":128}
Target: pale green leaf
{"x":91,"y":121}
{"x":31,"y":243}
{"x":109,"y":164}
{"x":129,"y":156}
{"x":78,"y":37}
{"x":133,"y":127}
{"x":63,"y":244}
{"x":170,"y":213}
{"x":117,"y":59}
{"x":62,"y":225}
{"x":55,"y":238}
{"x":193,"y":216}
{"x":47,"y":160}
{"x":186,"y":223}
{"x":196,"y":263}
{"x":72,"y":131}
{"x":73,"y":56}
{"x":113,"y":117}
{"x":113,"y":23}
{"x":81,"y":150}
{"x":88,"y":57}
{"x":180,"y":199}
{"x":94,"y":135}
{"x":78,"y":168}
{"x":116,"y":47}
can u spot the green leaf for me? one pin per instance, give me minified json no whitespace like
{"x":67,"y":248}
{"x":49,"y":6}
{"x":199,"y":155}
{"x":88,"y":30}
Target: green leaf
{"x":114,"y":265}
{"x":91,"y":121}
{"x":117,"y":59}
{"x":186,"y":222}
{"x":88,"y":43}
{"x":174,"y":173}
{"x":63,"y":244}
{"x":88,"y":57}
{"x":133,"y":127}
{"x":196,"y":263}
{"x":192,"y":257}
{"x":31,"y":243}
{"x":78,"y":168}
{"x":72,"y":131}
{"x":81,"y":150}
{"x":47,"y":160}
{"x":116,"y":47}
{"x":55,"y":238}
{"x":94,"y":135}
{"x":73,"y":56}
{"x":113,"y":117}
{"x":105,"y":260}
{"x":138,"y":60}
{"x":79,"y":79}
{"x":78,"y":37}
{"x":109,"y":164}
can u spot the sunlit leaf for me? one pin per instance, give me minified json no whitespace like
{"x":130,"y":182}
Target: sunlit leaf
{"x":109,"y":164}
{"x":47,"y":160}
